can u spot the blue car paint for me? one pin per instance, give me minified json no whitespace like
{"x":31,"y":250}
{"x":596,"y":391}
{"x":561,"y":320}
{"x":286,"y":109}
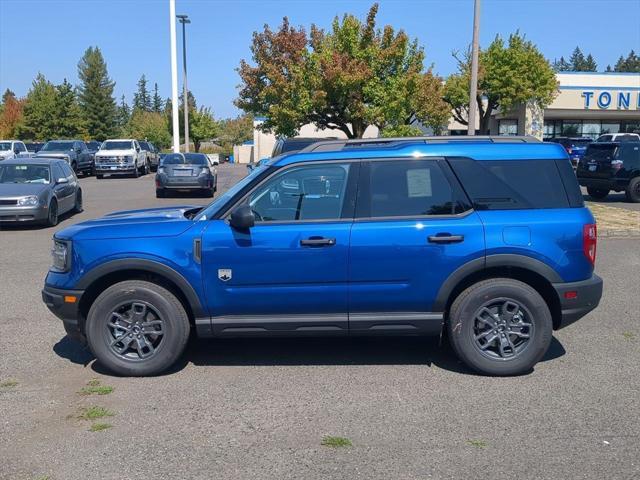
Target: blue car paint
{"x":272,"y":274}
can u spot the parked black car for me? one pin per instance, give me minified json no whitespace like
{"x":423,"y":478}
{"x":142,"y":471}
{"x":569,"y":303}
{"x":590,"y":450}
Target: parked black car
{"x":611,"y":166}
{"x":34,"y":147}
{"x":74,"y":152}
{"x":153,"y":156}
{"x":186,"y":172}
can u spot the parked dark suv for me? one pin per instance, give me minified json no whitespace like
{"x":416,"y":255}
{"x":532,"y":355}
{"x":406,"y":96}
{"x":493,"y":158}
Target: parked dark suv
{"x":611,"y":166}
{"x":484,"y":238}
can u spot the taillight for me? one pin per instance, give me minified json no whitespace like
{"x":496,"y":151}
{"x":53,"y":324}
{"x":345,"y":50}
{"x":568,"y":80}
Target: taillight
{"x":589,"y":242}
{"x":616,"y":164}
{"x":569,"y":150}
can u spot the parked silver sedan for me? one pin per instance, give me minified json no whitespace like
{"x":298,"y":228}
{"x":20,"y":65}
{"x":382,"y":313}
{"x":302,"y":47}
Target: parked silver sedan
{"x":37,"y":190}
{"x":186,"y":172}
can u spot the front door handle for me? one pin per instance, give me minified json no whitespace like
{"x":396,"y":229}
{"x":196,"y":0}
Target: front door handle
{"x":318,"y":242}
{"x":446,"y":238}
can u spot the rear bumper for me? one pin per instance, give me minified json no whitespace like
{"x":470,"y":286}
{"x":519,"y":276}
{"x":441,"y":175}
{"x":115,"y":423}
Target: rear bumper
{"x":58,"y":302}
{"x":187,"y":183}
{"x":578,"y":298}
{"x":617,"y":184}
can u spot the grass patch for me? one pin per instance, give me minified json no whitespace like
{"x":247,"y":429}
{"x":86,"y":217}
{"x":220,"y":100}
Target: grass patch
{"x":335,"y":442}
{"x":98,"y":427}
{"x":628,"y":336}
{"x":94,"y":387}
{"x":477,"y":443}
{"x":8,"y":384}
{"x":612,"y":218}
{"x":92,"y":413}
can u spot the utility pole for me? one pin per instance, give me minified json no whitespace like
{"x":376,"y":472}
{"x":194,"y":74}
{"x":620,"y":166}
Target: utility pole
{"x":174,"y":77}
{"x":184,"y":19}
{"x":473,"y":84}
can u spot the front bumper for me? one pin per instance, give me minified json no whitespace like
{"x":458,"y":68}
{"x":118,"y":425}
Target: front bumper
{"x":65,"y":304}
{"x":106,"y":169}
{"x":578,"y":298}
{"x":15,"y":214}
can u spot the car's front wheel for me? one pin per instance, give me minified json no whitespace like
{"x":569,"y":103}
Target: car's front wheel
{"x":77,"y":208}
{"x":137,"y":328}
{"x":597,"y":193}
{"x":500,"y":326}
{"x":52,"y":213}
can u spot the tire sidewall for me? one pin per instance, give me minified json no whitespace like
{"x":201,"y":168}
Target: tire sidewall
{"x":632,"y":196}
{"x":175,"y":325}
{"x":462,"y":334}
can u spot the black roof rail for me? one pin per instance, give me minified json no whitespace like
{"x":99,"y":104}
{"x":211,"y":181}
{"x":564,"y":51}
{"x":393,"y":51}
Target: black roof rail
{"x":333,"y":145}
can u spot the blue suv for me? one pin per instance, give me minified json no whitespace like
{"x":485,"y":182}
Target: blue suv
{"x":484,"y":239}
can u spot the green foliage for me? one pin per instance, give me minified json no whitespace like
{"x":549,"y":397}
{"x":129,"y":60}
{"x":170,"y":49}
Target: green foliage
{"x":235,"y":131}
{"x":401,"y":131}
{"x":202,"y":126}
{"x":92,"y":413}
{"x":40,"y":111}
{"x":142,"y":98}
{"x":348,"y":78}
{"x":561,"y":65}
{"x":508,"y":75}
{"x":577,"y":63}
{"x":68,"y":119}
{"x":149,"y":126}
{"x":629,"y":64}
{"x":98,"y":427}
{"x":95,"y":95}
{"x":335,"y":442}
{"x":156,"y":102}
{"x":123,"y":115}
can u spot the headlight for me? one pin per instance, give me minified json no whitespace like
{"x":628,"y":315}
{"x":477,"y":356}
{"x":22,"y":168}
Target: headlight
{"x":128,"y":158}
{"x":30,"y":201}
{"x":205,"y":170}
{"x":61,"y":255}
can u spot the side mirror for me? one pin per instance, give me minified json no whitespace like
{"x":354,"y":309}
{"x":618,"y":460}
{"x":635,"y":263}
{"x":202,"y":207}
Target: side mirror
{"x":62,"y":181}
{"x":242,"y":218}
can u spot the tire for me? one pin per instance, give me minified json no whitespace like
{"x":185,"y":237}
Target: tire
{"x":633,"y":190}
{"x":77,"y":208}
{"x":209,"y":192}
{"x":147,"y":168}
{"x":74,"y":167}
{"x":497,"y":295}
{"x":153,"y":307}
{"x":52,"y":217}
{"x":99,"y":176}
{"x":160,"y":193}
{"x":597,"y":193}
{"x":136,"y":171}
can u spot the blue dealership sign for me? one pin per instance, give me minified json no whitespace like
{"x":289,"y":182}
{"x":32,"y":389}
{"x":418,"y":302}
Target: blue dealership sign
{"x":605,"y":99}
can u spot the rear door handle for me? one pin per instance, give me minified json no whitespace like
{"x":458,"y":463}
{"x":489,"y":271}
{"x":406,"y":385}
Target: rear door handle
{"x":318,"y":242}
{"x":446,"y":238}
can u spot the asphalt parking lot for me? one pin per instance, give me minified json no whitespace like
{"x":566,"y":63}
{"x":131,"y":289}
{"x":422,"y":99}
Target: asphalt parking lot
{"x":236,"y":409}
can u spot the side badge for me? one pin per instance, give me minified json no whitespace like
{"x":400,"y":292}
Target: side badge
{"x":224,"y":274}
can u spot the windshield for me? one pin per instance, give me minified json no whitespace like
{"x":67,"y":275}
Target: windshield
{"x":222,"y":200}
{"x":145,"y":146}
{"x":185,"y":158}
{"x":4,"y":146}
{"x":93,"y":145}
{"x":117,"y":146}
{"x":57,"y":146}
{"x":25,"y":174}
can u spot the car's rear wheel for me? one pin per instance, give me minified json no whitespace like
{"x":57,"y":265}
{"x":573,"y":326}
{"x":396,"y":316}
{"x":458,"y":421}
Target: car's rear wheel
{"x":633,"y":190}
{"x":77,"y":208}
{"x":137,"y":328}
{"x":52,"y":215}
{"x":597,"y":193}
{"x":160,"y":193}
{"x":99,"y":176}
{"x":500,"y":326}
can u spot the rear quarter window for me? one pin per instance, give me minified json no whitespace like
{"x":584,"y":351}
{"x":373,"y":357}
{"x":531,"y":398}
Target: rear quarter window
{"x":601,"y":152}
{"x":511,"y":184}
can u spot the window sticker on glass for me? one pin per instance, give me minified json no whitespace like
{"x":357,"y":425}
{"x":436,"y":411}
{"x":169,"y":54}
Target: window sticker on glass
{"x":419,"y":182}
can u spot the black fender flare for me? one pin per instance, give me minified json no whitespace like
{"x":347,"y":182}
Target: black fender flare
{"x":490,"y":261}
{"x":150,"y":266}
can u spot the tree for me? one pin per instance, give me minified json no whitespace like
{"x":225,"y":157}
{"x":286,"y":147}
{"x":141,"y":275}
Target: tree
{"x":577,"y":60}
{"x":346,"y":79}
{"x":629,"y":64}
{"x":590,"y":64}
{"x":508,"y":75}
{"x":11,"y":114}
{"x":235,"y":131}
{"x":95,"y":95}
{"x":157,"y":100}
{"x":562,"y":65}
{"x":40,"y":111}
{"x":123,"y":114}
{"x":150,"y":126}
{"x":202,"y":126}
{"x":142,"y":99}
{"x":68,"y":118}
{"x":168,"y":112}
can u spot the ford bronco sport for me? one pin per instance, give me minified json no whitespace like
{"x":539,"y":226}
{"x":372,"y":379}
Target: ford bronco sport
{"x":485,"y":239}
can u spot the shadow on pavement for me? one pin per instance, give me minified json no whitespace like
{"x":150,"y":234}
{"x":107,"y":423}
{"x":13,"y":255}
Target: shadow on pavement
{"x":306,"y":351}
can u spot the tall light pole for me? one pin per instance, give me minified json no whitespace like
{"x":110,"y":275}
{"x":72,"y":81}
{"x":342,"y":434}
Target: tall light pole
{"x":174,"y":76}
{"x":473,"y":84}
{"x":184,"y":19}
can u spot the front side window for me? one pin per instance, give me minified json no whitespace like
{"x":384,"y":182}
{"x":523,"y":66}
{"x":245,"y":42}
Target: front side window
{"x":311,"y":192}
{"x":408,"y":188}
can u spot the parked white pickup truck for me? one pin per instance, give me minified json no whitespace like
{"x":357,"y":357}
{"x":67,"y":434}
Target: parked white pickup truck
{"x":121,"y":156}
{"x":12,"y":149}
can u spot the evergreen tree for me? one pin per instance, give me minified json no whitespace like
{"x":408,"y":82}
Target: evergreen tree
{"x":629,"y":64}
{"x":123,"y":114}
{"x":40,"y":111}
{"x":157,"y":100}
{"x":68,"y":119}
{"x":95,"y":95}
{"x":609,"y":69}
{"x":142,"y":99}
{"x":577,"y":60}
{"x":561,"y":65}
{"x":590,"y":64}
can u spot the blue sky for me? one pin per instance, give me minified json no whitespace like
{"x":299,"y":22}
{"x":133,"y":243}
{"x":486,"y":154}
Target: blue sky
{"x":50,"y":36}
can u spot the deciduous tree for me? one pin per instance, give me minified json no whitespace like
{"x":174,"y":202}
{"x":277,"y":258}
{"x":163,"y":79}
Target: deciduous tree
{"x":10,"y":114}
{"x":149,"y":126}
{"x":202,"y":126}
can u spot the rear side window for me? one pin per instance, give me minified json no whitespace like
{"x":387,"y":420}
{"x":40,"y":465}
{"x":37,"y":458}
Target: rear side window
{"x":408,"y":189}
{"x":511,"y":184}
